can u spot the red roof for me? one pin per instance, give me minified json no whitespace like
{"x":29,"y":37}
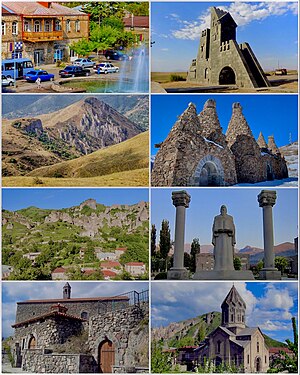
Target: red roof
{"x":59,"y":270}
{"x":110,"y":264}
{"x":38,"y":9}
{"x":279,"y":349}
{"x":89,"y":272}
{"x":136,"y":21}
{"x":108,"y":273}
{"x":47,"y":315}
{"x":134,"y":264}
{"x":121,"y":248}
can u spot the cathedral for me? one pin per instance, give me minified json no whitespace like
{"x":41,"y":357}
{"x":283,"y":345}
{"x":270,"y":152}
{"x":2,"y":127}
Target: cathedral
{"x":233,"y":342}
{"x":196,"y":152}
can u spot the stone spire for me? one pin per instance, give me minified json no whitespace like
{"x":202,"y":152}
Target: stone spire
{"x":210,"y":124}
{"x":237,"y":125}
{"x":67,"y":291}
{"x":188,"y":121}
{"x":261,"y":141}
{"x":272,"y":145}
{"x":233,"y":311}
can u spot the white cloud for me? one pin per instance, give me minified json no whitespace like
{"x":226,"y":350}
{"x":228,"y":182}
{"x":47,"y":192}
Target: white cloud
{"x":164,"y":49}
{"x":242,"y":13}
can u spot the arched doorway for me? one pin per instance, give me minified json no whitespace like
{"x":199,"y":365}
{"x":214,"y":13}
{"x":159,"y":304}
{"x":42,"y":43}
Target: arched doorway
{"x":270,"y":175}
{"x":106,"y":356}
{"x":32,"y":343}
{"x":218,"y":361}
{"x":258,"y":364}
{"x":209,"y":172}
{"x":227,"y":76}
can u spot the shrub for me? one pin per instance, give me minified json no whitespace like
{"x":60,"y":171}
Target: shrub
{"x":37,"y":181}
{"x":176,"y":78}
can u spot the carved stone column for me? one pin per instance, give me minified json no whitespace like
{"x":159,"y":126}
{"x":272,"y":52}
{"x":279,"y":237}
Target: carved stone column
{"x":266,"y":200}
{"x":181,"y":200}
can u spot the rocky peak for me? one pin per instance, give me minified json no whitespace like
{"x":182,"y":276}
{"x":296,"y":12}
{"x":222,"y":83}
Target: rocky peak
{"x":237,"y":125}
{"x":29,"y":125}
{"x":272,"y":145}
{"x":261,"y":141}
{"x":90,"y":203}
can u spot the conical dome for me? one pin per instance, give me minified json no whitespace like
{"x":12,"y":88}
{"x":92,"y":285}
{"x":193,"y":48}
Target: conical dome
{"x":272,"y":145}
{"x":233,"y":310}
{"x":187,"y":121}
{"x":261,"y":141}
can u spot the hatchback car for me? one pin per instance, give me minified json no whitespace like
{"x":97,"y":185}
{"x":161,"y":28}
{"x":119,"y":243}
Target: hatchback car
{"x":105,"y":68}
{"x":33,"y":75}
{"x":85,"y":63}
{"x":7,"y":81}
{"x":115,"y":55}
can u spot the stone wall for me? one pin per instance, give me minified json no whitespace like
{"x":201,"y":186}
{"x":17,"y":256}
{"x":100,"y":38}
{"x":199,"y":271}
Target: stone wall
{"x":37,"y":361}
{"x":30,"y":310}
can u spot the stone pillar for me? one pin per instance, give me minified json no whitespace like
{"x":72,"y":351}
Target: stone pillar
{"x":267,"y":199}
{"x":181,"y":200}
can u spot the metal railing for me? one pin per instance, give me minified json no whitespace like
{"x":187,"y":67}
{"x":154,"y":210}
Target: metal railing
{"x":124,"y":301}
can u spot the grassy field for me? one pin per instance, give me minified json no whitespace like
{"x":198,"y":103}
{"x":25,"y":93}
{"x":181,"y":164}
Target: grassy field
{"x":137,"y":177}
{"x":163,"y":77}
{"x":124,"y":164}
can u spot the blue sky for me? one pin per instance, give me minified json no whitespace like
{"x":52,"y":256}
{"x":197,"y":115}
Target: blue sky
{"x":241,"y":204}
{"x":269,"y":305}
{"x":15,"y":199}
{"x":269,"y":27}
{"x":272,"y":114}
{"x":13,"y":292}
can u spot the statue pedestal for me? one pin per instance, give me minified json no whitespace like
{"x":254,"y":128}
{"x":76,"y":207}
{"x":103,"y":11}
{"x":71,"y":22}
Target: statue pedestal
{"x":223,"y":275}
{"x":178,"y":274}
{"x":270,"y":274}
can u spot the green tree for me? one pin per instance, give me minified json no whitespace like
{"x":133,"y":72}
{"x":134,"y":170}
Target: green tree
{"x":186,"y":260}
{"x":201,"y":334}
{"x":160,"y":361}
{"x":153,"y":240}
{"x":164,"y":239}
{"x":281,"y":263}
{"x":83,"y":47}
{"x":237,"y":263}
{"x":195,"y":249}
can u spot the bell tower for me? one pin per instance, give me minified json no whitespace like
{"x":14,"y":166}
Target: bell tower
{"x":233,"y":311}
{"x":67,"y":291}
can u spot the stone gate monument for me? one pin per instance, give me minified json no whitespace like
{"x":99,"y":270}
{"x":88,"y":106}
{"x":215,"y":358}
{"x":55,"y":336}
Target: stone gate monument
{"x":221,"y":60}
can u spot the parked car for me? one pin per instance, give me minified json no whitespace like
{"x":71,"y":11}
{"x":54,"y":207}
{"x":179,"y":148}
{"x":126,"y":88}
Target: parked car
{"x":115,"y":55}
{"x":74,"y":71}
{"x":33,"y":75}
{"x":6,"y":81}
{"x":281,"y":72}
{"x":105,"y":68}
{"x":85,"y":63}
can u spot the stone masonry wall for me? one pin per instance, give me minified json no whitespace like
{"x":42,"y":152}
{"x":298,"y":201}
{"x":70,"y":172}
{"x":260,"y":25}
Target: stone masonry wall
{"x":30,"y":310}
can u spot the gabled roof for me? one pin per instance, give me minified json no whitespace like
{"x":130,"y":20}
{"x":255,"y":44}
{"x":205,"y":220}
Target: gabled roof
{"x":223,"y":16}
{"x":136,"y":21}
{"x":36,"y":8}
{"x":70,"y":300}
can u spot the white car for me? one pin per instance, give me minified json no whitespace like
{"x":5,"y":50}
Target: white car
{"x":84,"y":63}
{"x":105,"y":68}
{"x":7,"y":81}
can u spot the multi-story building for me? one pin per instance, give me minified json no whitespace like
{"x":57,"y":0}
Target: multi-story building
{"x":41,"y":31}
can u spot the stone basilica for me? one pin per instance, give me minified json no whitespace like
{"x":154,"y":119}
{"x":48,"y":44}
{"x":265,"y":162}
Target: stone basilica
{"x":197,"y":153}
{"x":233,"y":342}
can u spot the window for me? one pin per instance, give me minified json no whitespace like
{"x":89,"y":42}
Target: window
{"x":14,"y":28}
{"x":57,"y":25}
{"x":26,"y":26}
{"x":77,"y":25}
{"x":84,"y":315}
{"x":68,"y":26}
{"x":265,"y":359}
{"x":218,"y":346}
{"x":257,"y":346}
{"x":248,"y":359}
{"x":37,"y":26}
{"x":3,"y":28}
{"x":47,"y":26}
{"x":232,"y":317}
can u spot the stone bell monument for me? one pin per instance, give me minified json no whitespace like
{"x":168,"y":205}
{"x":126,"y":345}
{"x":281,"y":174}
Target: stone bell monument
{"x":223,"y":239}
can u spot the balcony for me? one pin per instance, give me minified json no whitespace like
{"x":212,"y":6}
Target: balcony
{"x":43,"y":36}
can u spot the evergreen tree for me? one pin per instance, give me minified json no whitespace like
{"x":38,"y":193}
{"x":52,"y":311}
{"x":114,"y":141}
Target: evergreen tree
{"x":237,"y":263}
{"x":195,"y":249}
{"x":164,"y":239}
{"x":153,"y":240}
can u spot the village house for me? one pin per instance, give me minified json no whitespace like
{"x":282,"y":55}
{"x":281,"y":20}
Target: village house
{"x":60,"y":273}
{"x":41,"y":31}
{"x":135,"y":268}
{"x":138,"y":25}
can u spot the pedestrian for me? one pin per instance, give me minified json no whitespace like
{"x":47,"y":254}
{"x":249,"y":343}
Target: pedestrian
{"x":38,"y":83}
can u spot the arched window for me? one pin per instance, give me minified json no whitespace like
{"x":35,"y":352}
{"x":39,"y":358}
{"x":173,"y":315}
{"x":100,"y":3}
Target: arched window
{"x":14,"y":28}
{"x":77,"y":25}
{"x":84,"y":315}
{"x":26,"y":26}
{"x":57,"y":25}
{"x":3,"y":28}
{"x":47,"y":26}
{"x":257,"y":346}
{"x":68,"y":26}
{"x":32,"y":343}
{"x":37,"y":26}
